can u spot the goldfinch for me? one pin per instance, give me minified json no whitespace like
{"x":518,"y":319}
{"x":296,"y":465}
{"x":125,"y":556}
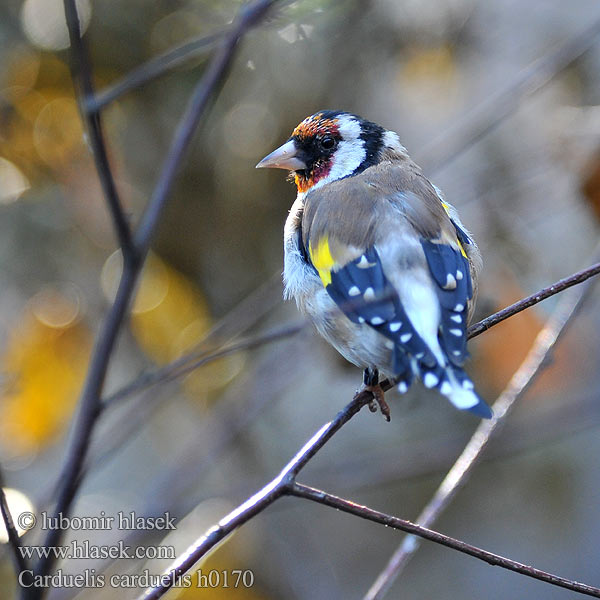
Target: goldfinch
{"x":377,"y":258}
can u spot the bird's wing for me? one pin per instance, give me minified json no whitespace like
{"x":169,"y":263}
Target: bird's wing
{"x":346,"y":224}
{"x":342,"y":246}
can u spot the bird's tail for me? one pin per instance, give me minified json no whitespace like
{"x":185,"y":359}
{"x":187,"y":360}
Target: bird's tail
{"x":450,"y":380}
{"x":459,"y":389}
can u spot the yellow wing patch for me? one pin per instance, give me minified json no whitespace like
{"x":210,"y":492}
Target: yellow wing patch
{"x":462,"y":250}
{"x":322,"y":259}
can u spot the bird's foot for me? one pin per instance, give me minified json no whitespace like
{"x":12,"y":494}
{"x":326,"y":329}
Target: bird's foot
{"x":371,"y":384}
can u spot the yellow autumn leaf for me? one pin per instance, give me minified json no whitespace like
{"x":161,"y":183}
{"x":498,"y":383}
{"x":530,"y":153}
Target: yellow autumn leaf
{"x":170,"y":318}
{"x":44,"y":364}
{"x":435,"y":63}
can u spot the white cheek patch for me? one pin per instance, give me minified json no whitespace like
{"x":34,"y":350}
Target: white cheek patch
{"x":347,"y":158}
{"x":349,"y":154}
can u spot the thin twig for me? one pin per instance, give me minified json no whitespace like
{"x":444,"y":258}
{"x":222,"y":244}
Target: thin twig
{"x":82,"y":76}
{"x":89,"y":410}
{"x":259,"y":501}
{"x":537,"y":357}
{"x":189,"y":362}
{"x":244,"y":315}
{"x":359,"y":510}
{"x":157,"y":66}
{"x":90,"y":404}
{"x":513,"y":309}
{"x":285,"y":484}
{"x":489,"y":114}
{"x":186,"y":365}
{"x":249,"y":15}
{"x":152,"y":69}
{"x":21,"y":564}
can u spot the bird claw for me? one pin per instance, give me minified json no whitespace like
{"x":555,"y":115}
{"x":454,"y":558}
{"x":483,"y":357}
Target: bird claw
{"x":371,"y":384}
{"x":378,"y":399}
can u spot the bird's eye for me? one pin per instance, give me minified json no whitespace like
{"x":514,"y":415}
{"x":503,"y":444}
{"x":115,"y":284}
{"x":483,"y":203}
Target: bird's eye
{"x":327,"y":143}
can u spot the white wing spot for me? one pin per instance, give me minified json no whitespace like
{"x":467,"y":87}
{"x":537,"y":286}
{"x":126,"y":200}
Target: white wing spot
{"x":395,"y":326}
{"x":402,"y":387}
{"x":450,"y":282}
{"x":446,"y":388}
{"x":405,"y":337}
{"x":354,"y":291}
{"x":376,"y":321}
{"x":369,"y":294}
{"x":456,"y":332}
{"x":468,"y":384}
{"x":389,"y":344}
{"x":459,"y":275}
{"x":456,"y":318}
{"x":456,"y":352}
{"x":363,"y":263}
{"x":361,"y":319}
{"x":430,"y":380}
{"x":459,"y":308}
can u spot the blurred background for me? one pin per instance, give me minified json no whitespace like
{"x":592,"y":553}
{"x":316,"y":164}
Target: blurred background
{"x":201,"y":444}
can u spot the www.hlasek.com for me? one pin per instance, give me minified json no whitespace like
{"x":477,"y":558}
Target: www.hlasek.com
{"x":84,"y":550}
{"x":214,"y":578}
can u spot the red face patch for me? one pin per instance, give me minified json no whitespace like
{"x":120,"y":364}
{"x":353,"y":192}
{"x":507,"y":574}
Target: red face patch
{"x":314,"y":128}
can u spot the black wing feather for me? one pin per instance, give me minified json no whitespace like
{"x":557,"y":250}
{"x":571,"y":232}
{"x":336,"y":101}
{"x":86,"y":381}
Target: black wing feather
{"x":450,"y":270}
{"x":363,"y":292}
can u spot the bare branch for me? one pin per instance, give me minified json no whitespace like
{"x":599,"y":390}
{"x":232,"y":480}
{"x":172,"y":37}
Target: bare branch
{"x":13,"y":536}
{"x":245,"y":314}
{"x":513,"y":309}
{"x":82,"y":77}
{"x":285,"y":484}
{"x":89,"y":410}
{"x":152,"y":69}
{"x":90,"y":404}
{"x":188,"y":364}
{"x":193,"y":360}
{"x":158,"y":66}
{"x":536,"y":359}
{"x":249,"y":16}
{"x":485,"y":117}
{"x":259,"y":501}
{"x":309,"y":493}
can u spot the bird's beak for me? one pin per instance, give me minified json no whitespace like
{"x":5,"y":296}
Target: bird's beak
{"x":285,"y":157}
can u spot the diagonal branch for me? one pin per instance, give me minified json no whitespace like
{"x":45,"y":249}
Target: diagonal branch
{"x":486,"y":116}
{"x":533,"y":364}
{"x":82,"y":77}
{"x":285,"y":484}
{"x":157,"y":66}
{"x":248,"y":17}
{"x":309,"y":493}
{"x":517,"y":307}
{"x":151,"y":70}
{"x":259,"y":501}
{"x":90,"y":404}
{"x":189,"y":362}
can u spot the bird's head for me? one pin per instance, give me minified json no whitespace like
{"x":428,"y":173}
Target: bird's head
{"x":331,"y":145}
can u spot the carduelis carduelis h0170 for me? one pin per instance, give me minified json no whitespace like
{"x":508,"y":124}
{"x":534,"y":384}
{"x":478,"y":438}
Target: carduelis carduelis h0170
{"x":377,"y":258}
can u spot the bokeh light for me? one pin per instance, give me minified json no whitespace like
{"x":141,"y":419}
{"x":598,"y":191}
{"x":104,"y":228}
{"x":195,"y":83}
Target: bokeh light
{"x":13,"y":184}
{"x":18,"y":503}
{"x":44,"y":363}
{"x":44,"y":22}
